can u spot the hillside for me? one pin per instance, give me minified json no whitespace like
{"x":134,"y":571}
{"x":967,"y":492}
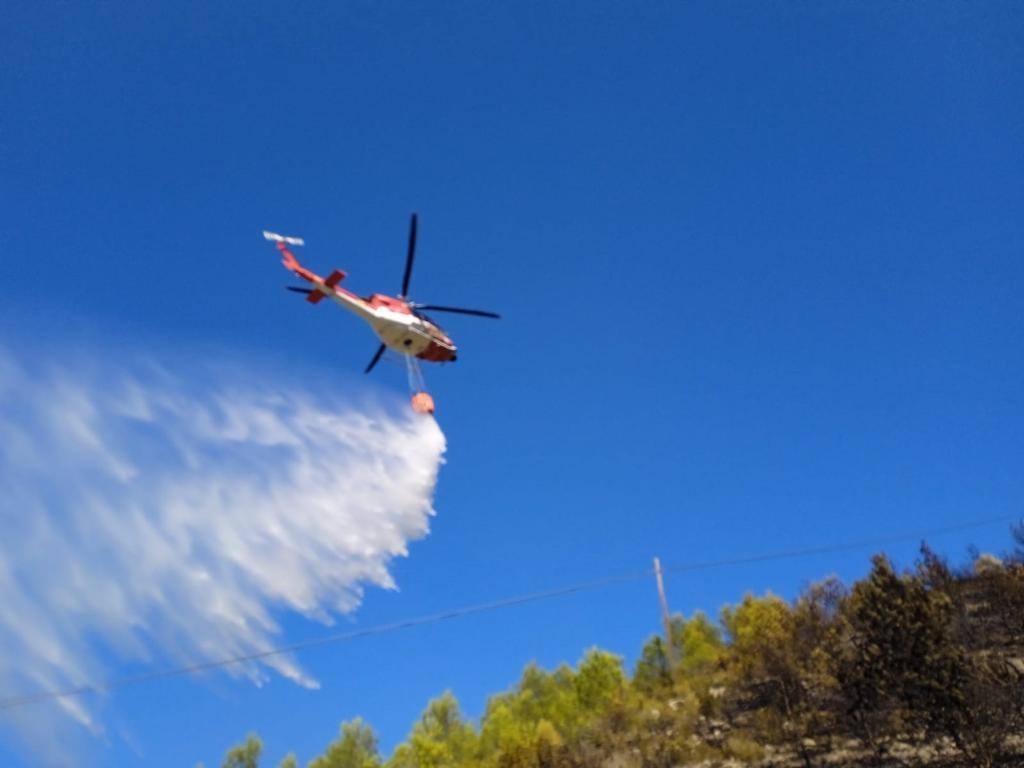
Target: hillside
{"x":922,"y":667}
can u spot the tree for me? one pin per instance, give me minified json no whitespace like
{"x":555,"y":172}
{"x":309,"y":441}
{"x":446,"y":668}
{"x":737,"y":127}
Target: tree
{"x":986,"y":620}
{"x":245,"y":755}
{"x":899,"y":667}
{"x":599,"y":681}
{"x":558,"y":718}
{"x":605,"y":708}
{"x":813,"y":700}
{"x":759,"y":631}
{"x":763,"y":673}
{"x":777,"y":665}
{"x":699,"y":645}
{"x":1017,"y":532}
{"x":653,"y":673}
{"x":441,"y":739}
{"x":355,"y":747}
{"x":508,"y":742}
{"x":697,"y":648}
{"x":539,"y":695}
{"x":529,"y":726}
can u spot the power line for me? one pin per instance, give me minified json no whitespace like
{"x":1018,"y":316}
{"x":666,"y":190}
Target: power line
{"x":15,"y":702}
{"x":380,"y":629}
{"x":833,"y":548}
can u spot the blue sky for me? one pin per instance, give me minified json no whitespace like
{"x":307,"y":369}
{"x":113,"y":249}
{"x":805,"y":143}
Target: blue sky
{"x":759,"y":266}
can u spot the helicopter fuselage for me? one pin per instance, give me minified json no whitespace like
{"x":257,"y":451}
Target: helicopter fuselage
{"x":400,"y":327}
{"x":393,"y":319}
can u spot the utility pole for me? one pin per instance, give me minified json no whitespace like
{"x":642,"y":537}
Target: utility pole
{"x":666,"y":619}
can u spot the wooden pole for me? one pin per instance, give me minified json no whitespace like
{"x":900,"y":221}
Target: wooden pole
{"x":666,"y":619}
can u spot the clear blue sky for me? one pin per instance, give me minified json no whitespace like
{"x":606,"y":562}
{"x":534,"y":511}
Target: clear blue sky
{"x":760,"y":267}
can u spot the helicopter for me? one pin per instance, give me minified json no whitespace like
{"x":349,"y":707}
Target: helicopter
{"x":399,"y":323}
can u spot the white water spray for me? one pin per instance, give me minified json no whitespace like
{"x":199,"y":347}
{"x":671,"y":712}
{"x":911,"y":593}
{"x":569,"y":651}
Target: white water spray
{"x":152,"y":520}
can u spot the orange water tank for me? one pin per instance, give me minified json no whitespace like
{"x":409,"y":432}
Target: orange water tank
{"x":422,"y":403}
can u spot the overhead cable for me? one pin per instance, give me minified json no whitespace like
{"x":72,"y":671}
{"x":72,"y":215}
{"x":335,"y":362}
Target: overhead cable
{"x":14,"y":702}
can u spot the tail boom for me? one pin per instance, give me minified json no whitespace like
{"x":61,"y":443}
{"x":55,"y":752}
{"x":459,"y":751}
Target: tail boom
{"x":322,"y":287}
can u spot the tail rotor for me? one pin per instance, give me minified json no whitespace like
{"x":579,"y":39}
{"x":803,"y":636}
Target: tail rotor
{"x":274,"y":237}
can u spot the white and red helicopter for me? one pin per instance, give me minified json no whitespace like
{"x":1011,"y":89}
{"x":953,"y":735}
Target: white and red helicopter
{"x":399,"y":322}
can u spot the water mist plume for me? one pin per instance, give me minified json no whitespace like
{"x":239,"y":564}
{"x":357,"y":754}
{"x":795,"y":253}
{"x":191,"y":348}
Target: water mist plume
{"x":151,"y":518}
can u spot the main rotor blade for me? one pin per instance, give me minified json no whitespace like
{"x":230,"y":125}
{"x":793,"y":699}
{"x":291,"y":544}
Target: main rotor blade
{"x":376,"y":357}
{"x":409,"y":256}
{"x":293,"y":289}
{"x":459,"y":310}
